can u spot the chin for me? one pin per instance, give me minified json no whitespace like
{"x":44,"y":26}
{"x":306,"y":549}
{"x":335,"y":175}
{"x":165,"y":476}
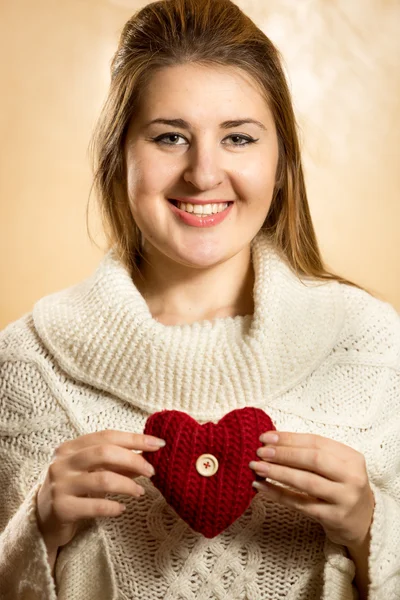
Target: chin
{"x":196,"y":253}
{"x":200,"y":261}
{"x":204,"y":257}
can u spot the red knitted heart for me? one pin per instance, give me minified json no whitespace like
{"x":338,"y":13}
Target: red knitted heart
{"x":209,"y":504}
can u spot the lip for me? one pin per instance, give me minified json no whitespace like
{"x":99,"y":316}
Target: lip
{"x":188,"y":200}
{"x":195,"y":221}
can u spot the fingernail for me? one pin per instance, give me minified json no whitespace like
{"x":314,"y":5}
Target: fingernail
{"x":157,"y":442}
{"x":258,"y":485}
{"x":150,"y":470}
{"x":266,"y":452}
{"x":269,"y":438}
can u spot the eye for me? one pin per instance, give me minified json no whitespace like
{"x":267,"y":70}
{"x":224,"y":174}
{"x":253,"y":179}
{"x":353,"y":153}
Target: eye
{"x":240,"y":139}
{"x":161,"y":139}
{"x":244,"y":139}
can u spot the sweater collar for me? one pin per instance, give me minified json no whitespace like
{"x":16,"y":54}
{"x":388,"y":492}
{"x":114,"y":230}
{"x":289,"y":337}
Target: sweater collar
{"x":101,"y":333}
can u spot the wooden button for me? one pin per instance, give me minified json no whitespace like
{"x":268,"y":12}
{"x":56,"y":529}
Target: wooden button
{"x":207,"y":465}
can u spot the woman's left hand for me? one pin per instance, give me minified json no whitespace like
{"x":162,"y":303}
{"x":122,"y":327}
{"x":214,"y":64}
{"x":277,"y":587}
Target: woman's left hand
{"x":329,"y":482}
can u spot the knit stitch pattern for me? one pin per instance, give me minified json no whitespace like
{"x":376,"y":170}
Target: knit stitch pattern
{"x":208,"y":504}
{"x":322,"y":359}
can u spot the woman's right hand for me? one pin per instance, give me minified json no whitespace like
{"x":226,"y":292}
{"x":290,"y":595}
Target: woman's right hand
{"x":94,"y":464}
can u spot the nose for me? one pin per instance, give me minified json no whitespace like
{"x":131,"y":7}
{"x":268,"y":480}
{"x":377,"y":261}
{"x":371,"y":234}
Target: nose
{"x":203,"y":169}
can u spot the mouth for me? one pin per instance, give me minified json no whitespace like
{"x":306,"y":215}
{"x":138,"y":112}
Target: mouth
{"x":201,"y":210}
{"x":201,"y":215}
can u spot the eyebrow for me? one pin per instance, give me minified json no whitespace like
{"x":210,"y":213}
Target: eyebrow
{"x":225,"y":125}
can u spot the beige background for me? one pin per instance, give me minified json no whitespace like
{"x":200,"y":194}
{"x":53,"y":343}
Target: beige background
{"x":343,"y":64}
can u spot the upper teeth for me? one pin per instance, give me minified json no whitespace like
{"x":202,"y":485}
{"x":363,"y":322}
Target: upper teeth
{"x":203,"y":209}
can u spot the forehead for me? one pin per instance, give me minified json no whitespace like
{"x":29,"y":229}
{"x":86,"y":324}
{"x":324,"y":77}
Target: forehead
{"x":200,"y":92}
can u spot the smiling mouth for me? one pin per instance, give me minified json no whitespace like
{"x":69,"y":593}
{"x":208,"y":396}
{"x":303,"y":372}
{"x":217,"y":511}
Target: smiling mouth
{"x":200,"y":210}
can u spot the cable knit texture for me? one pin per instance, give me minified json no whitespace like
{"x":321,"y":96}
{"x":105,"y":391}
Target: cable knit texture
{"x":318,"y":358}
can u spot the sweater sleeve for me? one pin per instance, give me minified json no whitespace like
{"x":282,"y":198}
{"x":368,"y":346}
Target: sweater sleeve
{"x":382,"y":454}
{"x":383,"y":462}
{"x":24,"y":569}
{"x":31,"y":426}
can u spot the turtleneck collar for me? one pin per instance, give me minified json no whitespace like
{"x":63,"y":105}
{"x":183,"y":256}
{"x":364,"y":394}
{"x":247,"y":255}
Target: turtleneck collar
{"x":101,"y":332}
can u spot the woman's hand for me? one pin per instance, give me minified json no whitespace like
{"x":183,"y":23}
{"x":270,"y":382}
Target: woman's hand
{"x":328,"y":482}
{"x":90,"y":465}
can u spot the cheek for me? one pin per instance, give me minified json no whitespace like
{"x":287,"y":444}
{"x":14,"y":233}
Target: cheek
{"x":149,"y":177}
{"x":256,"y":181}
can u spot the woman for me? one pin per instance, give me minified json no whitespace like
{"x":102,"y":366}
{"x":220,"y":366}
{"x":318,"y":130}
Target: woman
{"x":213,"y":297}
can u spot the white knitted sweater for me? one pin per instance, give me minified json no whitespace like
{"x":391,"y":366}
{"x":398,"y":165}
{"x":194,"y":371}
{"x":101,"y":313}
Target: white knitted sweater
{"x":317,"y":358}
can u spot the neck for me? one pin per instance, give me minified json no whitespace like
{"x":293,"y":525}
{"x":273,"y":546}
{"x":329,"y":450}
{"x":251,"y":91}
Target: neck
{"x":177,"y":294}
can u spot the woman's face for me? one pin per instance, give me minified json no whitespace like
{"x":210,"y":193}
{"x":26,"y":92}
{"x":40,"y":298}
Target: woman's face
{"x":200,"y":156}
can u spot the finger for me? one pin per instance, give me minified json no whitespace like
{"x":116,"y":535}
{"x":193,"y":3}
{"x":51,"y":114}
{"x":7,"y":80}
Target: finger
{"x":306,"y":440}
{"x":313,"y":460}
{"x":302,"y":481}
{"x":126,"y":473}
{"x":123,"y":472}
{"x":99,"y":483}
{"x":111,"y":458}
{"x":131,"y":441}
{"x":309,"y":506}
{"x":69,"y":509}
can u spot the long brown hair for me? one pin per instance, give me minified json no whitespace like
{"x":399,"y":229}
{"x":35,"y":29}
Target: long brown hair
{"x":208,"y":32}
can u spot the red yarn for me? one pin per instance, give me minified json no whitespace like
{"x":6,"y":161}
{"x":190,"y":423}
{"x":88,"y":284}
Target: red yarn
{"x":208,"y":504}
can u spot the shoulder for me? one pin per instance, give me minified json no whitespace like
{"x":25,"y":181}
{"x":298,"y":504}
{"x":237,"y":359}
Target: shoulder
{"x":25,"y":365}
{"x":29,"y":411}
{"x":63,"y":311}
{"x":370,"y":326}
{"x":17,"y":338}
{"x":34,"y":415}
